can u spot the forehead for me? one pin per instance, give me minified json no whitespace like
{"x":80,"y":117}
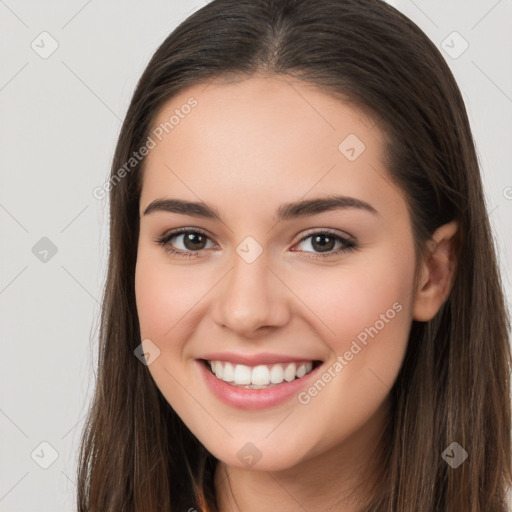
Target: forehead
{"x":264,"y":137}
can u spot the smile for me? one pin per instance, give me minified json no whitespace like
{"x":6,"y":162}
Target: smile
{"x":260,"y":376}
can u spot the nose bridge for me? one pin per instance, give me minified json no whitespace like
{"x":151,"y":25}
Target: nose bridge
{"x":250,"y":296}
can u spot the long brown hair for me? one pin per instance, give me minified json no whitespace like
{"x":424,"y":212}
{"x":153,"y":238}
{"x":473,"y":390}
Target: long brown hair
{"x":136,"y":453}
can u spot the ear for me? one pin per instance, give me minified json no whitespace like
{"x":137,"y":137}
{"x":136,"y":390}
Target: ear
{"x":436,"y":273}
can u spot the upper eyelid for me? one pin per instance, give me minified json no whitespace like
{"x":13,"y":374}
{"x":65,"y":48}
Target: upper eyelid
{"x":331,"y":231}
{"x":181,"y":231}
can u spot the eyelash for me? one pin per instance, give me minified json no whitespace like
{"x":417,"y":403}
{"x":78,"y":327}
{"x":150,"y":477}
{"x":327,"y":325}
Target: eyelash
{"x":349,"y":245}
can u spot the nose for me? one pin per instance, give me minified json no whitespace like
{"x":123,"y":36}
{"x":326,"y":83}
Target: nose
{"x":251,"y":299}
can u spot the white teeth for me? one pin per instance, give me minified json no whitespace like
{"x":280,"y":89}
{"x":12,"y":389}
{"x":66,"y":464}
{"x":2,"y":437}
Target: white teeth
{"x":261,"y":375}
{"x":301,"y":371}
{"x":228,"y":374}
{"x":217,"y":369}
{"x":276,"y":374}
{"x":242,"y":374}
{"x":290,"y":372}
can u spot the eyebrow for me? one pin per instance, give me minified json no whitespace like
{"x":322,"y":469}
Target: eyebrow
{"x":285,"y":212}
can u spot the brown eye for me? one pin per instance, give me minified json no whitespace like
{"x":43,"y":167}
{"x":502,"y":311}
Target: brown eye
{"x":194,"y":241}
{"x":325,"y":243}
{"x":185,"y":242}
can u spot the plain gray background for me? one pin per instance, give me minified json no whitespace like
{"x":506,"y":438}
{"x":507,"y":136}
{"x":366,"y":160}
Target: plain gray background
{"x":60,"y":118}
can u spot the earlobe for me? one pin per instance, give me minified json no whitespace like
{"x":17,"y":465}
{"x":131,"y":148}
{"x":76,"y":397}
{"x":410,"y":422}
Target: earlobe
{"x":437,"y":273}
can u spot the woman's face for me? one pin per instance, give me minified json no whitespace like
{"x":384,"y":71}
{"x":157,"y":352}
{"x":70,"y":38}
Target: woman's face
{"x":298,"y":249}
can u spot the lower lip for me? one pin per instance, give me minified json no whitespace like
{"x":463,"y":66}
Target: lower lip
{"x":244,"y":398}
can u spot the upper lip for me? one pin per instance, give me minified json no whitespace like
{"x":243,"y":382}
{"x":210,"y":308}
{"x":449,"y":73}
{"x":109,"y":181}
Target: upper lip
{"x":254,"y":359}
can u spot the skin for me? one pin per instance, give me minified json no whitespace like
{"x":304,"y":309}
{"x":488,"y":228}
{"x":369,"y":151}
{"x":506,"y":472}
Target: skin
{"x":246,"y":148}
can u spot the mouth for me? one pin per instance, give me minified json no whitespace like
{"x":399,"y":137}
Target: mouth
{"x":261,"y":376}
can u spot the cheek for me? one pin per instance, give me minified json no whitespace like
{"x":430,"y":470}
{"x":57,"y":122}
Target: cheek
{"x":369,"y":311}
{"x":364,"y":293}
{"x":153,"y":298}
{"x":364,"y":315}
{"x":164,"y":295}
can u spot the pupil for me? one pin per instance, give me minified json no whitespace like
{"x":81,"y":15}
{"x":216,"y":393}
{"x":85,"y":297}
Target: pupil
{"x":189,"y":238}
{"x":323,"y":247}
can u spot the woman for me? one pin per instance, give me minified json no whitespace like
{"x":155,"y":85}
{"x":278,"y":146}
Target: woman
{"x":303,"y":308}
